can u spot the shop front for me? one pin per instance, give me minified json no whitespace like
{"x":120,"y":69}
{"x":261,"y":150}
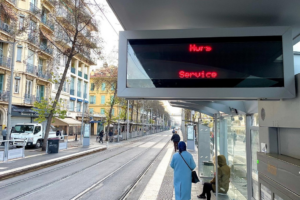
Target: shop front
{"x":70,"y":127}
{"x":22,"y":114}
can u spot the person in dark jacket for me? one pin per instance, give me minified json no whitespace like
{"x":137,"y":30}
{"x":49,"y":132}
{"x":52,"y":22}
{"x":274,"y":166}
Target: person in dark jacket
{"x":101,"y":136}
{"x":110,"y":134}
{"x":223,"y":180}
{"x":175,"y":138}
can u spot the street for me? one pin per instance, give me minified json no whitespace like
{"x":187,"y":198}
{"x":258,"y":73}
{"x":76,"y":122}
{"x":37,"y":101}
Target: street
{"x":105,"y":175}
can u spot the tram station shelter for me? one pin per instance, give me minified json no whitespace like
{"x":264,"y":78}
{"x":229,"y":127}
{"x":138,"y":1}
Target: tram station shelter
{"x":229,"y":59}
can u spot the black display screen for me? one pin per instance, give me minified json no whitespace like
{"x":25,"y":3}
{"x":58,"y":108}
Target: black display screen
{"x":205,"y":62}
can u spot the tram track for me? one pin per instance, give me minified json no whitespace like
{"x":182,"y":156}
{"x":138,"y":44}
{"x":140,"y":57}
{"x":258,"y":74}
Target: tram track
{"x":96,"y":184}
{"x":76,"y":172}
{"x":79,"y":161}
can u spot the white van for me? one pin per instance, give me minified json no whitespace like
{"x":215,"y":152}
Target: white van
{"x":33,"y":133}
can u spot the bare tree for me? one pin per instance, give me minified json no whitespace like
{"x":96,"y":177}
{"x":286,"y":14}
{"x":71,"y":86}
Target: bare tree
{"x":75,"y":36}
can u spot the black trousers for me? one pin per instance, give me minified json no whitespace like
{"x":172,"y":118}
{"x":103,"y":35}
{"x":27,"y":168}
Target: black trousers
{"x":175,"y":146}
{"x":4,"y":138}
{"x":207,"y":187}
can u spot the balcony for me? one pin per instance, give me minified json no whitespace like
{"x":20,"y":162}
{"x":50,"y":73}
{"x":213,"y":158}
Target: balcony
{"x":4,"y":95}
{"x":47,"y":23}
{"x":30,"y":68}
{"x":72,"y":92}
{"x":39,"y":99}
{"x":86,"y":76}
{"x":33,"y":38}
{"x":67,"y":17}
{"x":62,"y":37}
{"x":29,"y":99}
{"x":5,"y":62}
{"x":5,"y":27}
{"x":34,"y":9}
{"x":80,"y":73}
{"x":78,"y":93}
{"x":46,"y":49}
{"x":73,"y":70}
{"x":44,"y":75}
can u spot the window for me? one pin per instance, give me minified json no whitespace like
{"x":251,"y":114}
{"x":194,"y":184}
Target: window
{"x":79,"y":88}
{"x":17,"y":84}
{"x":78,"y":106}
{"x":21,"y":22}
{"x":19,"y":53}
{"x":30,"y":58}
{"x":92,"y":99}
{"x":28,"y":89}
{"x":113,"y":112}
{"x":72,"y":86}
{"x":85,"y":89}
{"x":112,"y":87}
{"x":91,"y":110}
{"x":103,"y":87}
{"x":102,"y":111}
{"x":102,"y":99}
{"x":92,"y":86}
{"x":40,"y":91}
{"x":37,"y":129}
{"x":1,"y":82}
{"x":72,"y":103}
{"x":40,"y":67}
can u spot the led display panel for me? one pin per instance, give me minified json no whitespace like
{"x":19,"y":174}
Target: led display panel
{"x":210,"y":62}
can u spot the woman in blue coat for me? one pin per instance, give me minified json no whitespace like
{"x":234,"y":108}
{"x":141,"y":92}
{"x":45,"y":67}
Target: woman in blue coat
{"x":182,"y":173}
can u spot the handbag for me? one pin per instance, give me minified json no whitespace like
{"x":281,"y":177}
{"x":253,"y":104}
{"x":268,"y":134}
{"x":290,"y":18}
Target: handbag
{"x":195,"y":178}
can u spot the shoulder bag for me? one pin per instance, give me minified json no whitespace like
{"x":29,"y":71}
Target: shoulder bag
{"x":195,"y":178}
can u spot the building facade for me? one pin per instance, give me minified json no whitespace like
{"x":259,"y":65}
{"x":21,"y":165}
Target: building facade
{"x":31,"y":25}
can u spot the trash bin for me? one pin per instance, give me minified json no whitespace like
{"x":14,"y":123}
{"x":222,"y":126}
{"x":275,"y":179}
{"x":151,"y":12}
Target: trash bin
{"x":53,"y":145}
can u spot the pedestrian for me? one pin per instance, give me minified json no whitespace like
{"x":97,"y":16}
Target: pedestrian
{"x":223,"y":180}
{"x":234,"y":138}
{"x":110,"y":134}
{"x":58,"y":133}
{"x":101,"y":136}
{"x":175,"y":138}
{"x":182,"y":172}
{"x":4,"y":134}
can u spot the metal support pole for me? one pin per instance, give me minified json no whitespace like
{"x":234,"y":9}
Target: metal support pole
{"x":216,"y":152}
{"x":249,"y":155}
{"x":82,"y":125}
{"x":143,"y":118}
{"x":118,"y":131}
{"x":127,"y":120}
{"x":10,"y":91}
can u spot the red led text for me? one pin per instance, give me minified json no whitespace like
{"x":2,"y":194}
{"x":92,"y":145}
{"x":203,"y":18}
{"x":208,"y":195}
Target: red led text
{"x":195,"y":48}
{"x":202,"y":74}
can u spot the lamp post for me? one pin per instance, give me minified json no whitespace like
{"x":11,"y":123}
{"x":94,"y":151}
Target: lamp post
{"x":127,"y":120}
{"x":10,"y":87}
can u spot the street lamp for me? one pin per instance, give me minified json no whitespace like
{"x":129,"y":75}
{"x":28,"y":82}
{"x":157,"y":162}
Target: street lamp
{"x":10,"y":87}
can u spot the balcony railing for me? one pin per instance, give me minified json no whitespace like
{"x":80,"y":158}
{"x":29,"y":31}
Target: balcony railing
{"x":29,"y":99}
{"x":88,"y":56}
{"x":5,"y":62}
{"x":47,"y":23}
{"x":73,"y":70}
{"x":86,"y":76}
{"x":72,"y":92}
{"x":44,"y":75}
{"x":80,"y":73}
{"x":5,"y":27}
{"x":4,"y":95}
{"x":46,"y":49}
{"x":34,"y":9}
{"x":30,"y":68}
{"x":79,"y":93}
{"x":32,"y":38}
{"x":39,"y":99}
{"x":66,"y":15}
{"x":53,"y":2}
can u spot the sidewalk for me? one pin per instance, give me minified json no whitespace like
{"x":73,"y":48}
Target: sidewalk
{"x":36,"y":159}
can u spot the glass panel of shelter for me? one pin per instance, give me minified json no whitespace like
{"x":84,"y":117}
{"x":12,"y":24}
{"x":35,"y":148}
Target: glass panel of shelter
{"x":231,"y":142}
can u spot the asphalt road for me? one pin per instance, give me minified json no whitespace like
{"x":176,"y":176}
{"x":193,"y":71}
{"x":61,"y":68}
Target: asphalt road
{"x":106,"y":175}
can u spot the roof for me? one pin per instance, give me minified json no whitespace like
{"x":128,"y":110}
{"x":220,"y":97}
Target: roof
{"x":66,"y":122}
{"x":179,"y":14}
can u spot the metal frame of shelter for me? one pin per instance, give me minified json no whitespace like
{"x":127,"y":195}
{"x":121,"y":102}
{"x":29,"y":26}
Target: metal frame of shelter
{"x":218,"y":109}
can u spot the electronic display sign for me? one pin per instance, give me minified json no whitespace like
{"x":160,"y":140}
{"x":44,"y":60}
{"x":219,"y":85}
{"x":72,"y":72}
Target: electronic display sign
{"x":233,"y":63}
{"x":205,"y":62}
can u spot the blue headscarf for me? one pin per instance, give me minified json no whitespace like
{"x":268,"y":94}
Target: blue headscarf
{"x":181,"y":146}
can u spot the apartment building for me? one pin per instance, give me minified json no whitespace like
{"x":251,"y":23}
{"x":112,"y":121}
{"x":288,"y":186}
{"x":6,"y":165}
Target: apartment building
{"x":36,"y":58}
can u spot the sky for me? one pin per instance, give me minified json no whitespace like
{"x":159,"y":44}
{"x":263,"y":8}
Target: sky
{"x":109,"y":29}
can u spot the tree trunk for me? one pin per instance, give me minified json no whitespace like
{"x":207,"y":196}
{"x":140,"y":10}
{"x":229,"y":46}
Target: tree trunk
{"x":109,"y":116}
{"x":137,"y":112}
{"x":49,"y":120}
{"x":131,"y":115}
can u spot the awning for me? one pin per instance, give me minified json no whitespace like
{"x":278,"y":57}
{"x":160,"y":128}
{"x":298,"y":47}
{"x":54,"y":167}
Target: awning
{"x":46,"y":35}
{"x":9,"y":12}
{"x":66,"y":122}
{"x":72,"y":99}
{"x":79,"y":100}
{"x":86,"y":101}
